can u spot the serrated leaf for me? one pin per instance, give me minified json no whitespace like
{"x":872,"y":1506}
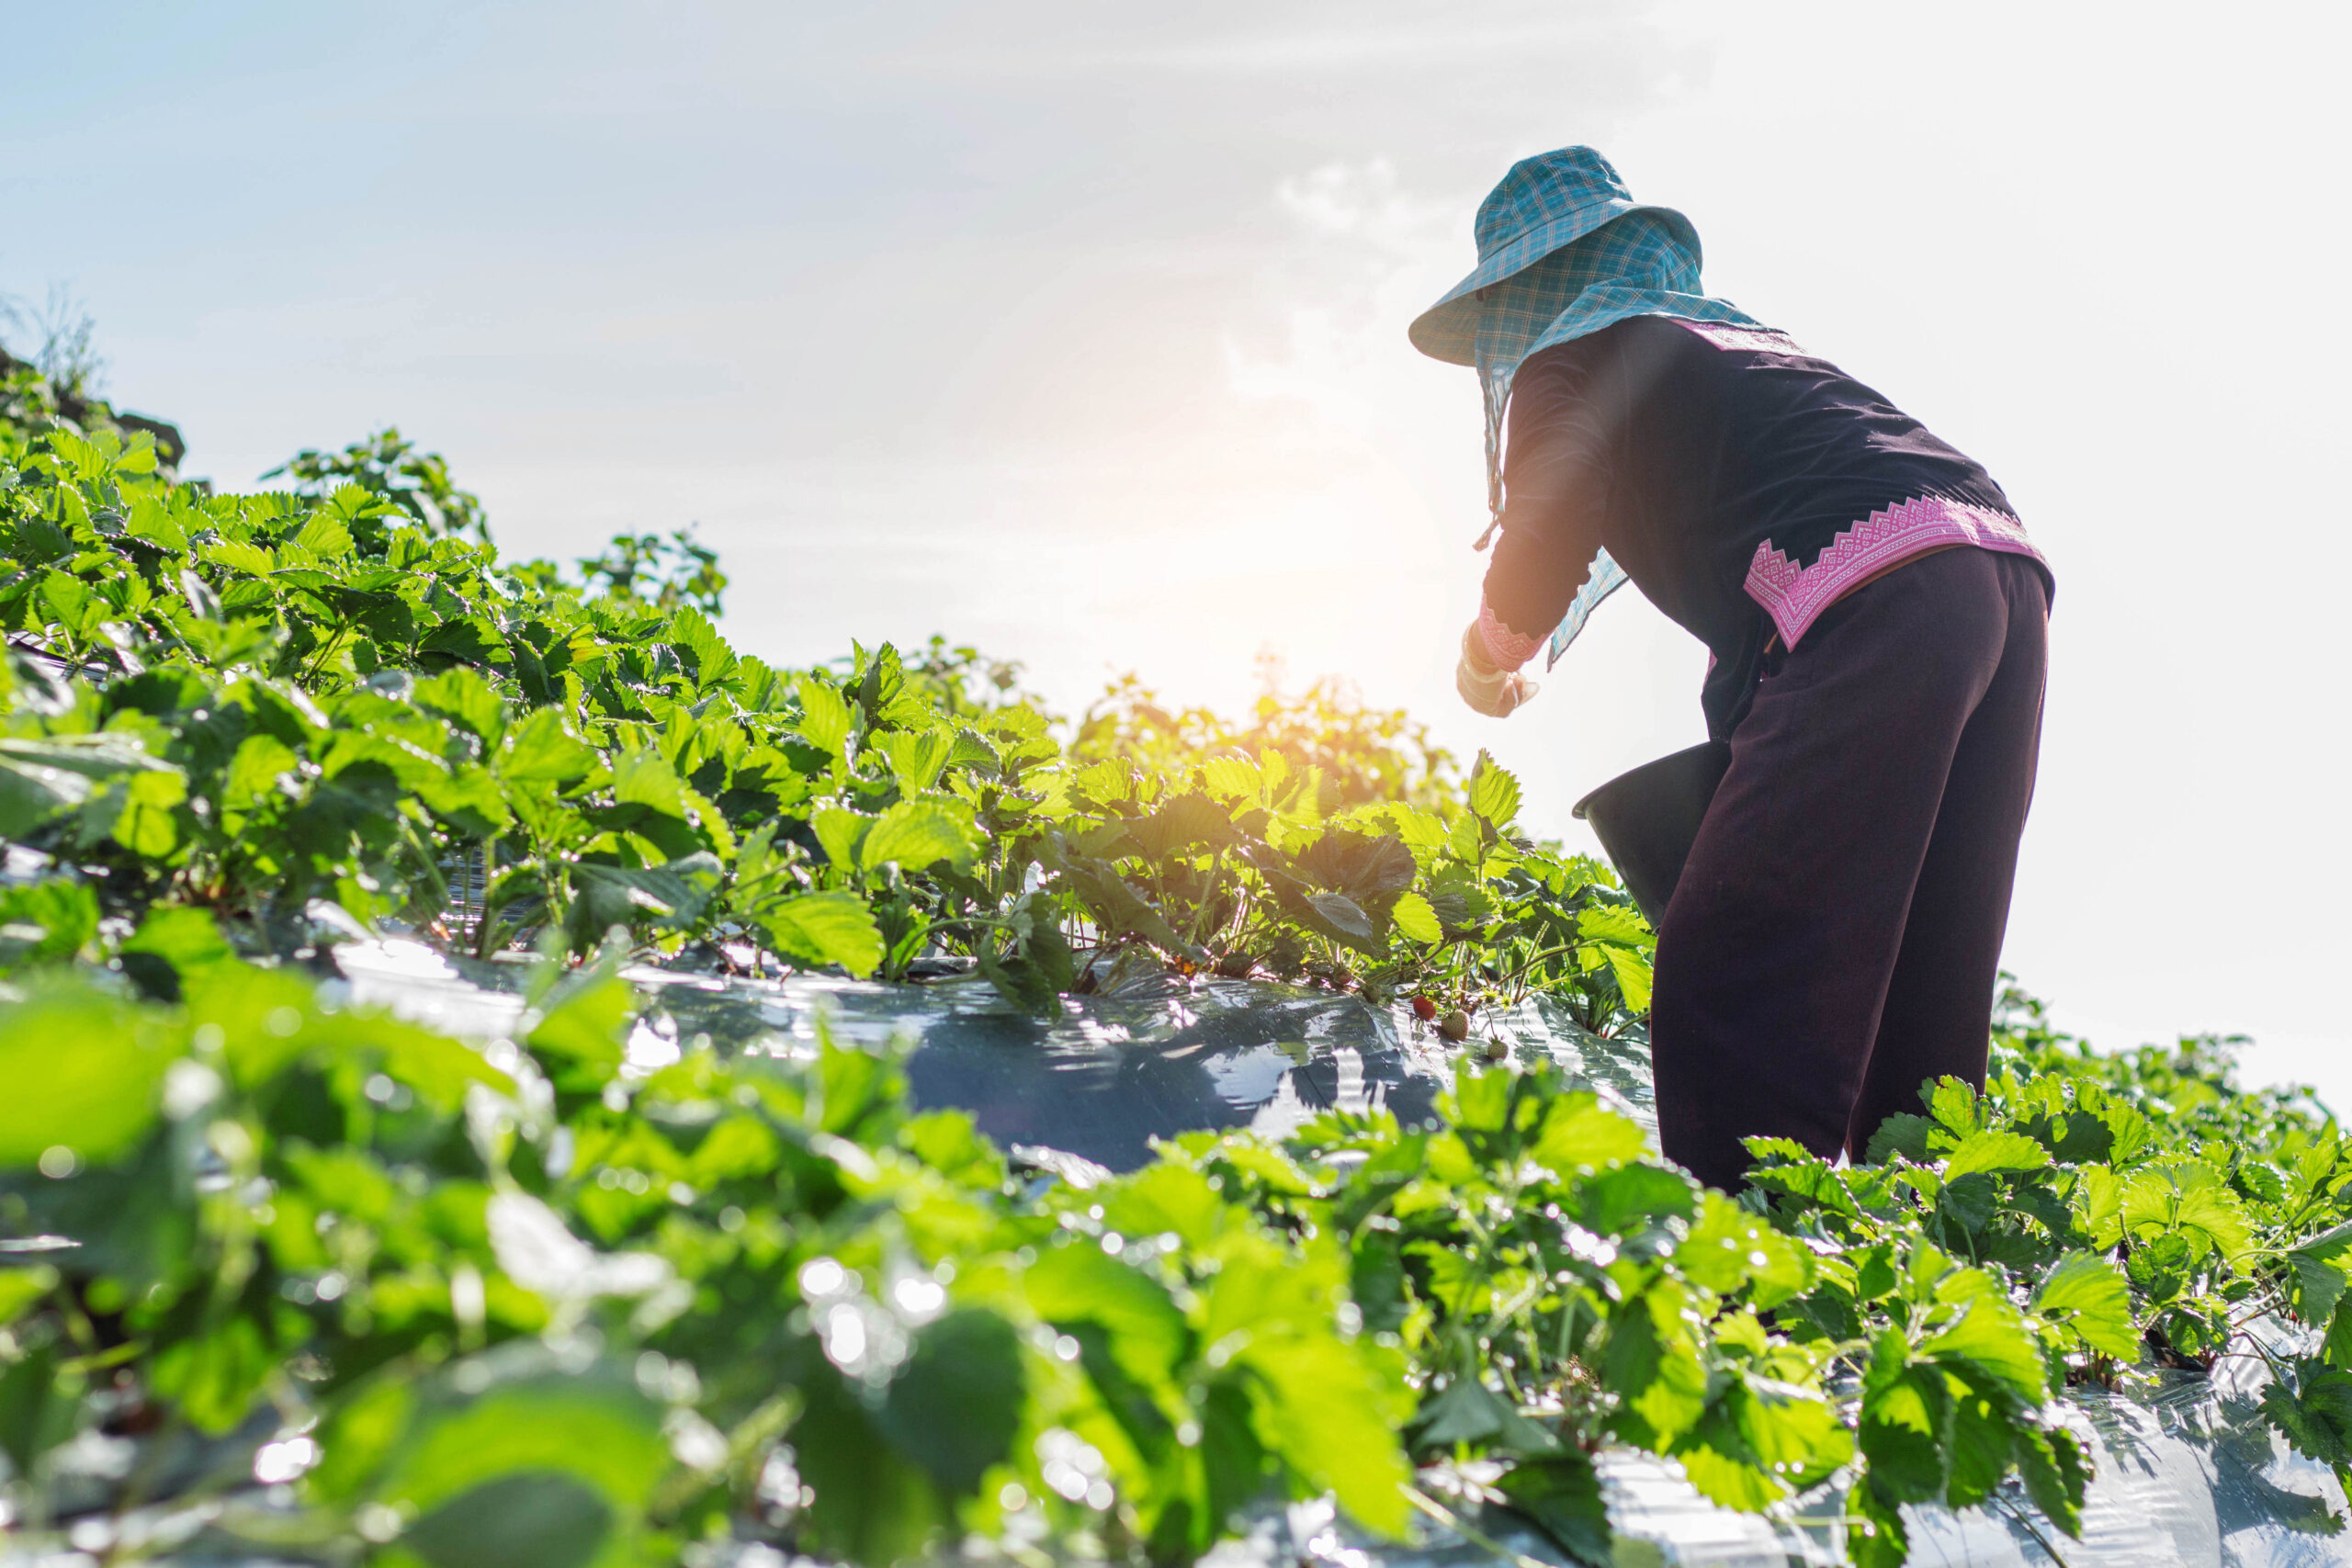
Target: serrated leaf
{"x":917,"y":835}
{"x":1990,"y":1337}
{"x":1415,"y":919}
{"x":825,"y":928}
{"x":824,"y":715}
{"x":1994,"y":1152}
{"x":1579,"y":1132}
{"x":542,"y":752}
{"x":916,"y":757}
{"x":239,"y":555}
{"x":1953,"y":1103}
{"x":324,"y":536}
{"x":1233,"y":778}
{"x":1902,"y":1134}
{"x":2085,"y":1292}
{"x":1634,"y":974}
{"x":1343,"y":915}
{"x":645,"y":778}
{"x":1615,"y":923}
{"x":1494,"y":792}
{"x":840,"y":832}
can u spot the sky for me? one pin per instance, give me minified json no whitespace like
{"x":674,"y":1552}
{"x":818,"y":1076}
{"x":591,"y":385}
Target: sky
{"x":1078,"y":333}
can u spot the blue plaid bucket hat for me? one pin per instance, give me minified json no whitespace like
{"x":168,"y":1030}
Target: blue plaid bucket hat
{"x":1564,"y":251}
{"x":1544,"y":204}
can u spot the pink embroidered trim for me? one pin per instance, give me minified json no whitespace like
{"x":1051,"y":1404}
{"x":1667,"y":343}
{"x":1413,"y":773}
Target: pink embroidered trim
{"x":1794,"y":595}
{"x":1731,"y":334}
{"x":1505,"y":648}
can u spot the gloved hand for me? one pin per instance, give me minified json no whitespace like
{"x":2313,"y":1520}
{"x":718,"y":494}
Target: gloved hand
{"x":1493,"y":691}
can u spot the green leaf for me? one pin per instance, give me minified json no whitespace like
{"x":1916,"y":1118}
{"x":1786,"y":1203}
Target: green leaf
{"x":672,"y":895}
{"x":1494,"y":793}
{"x":917,"y":835}
{"x":1634,"y":974}
{"x":1165,"y":1199}
{"x":1622,"y":1201}
{"x":1953,"y":1103}
{"x":1229,"y":778}
{"x":42,"y":922}
{"x":824,"y":715}
{"x":461,"y":695}
{"x":1342,"y":916}
{"x":1079,"y":1282}
{"x":38,"y":1406}
{"x":1990,"y":1337}
{"x":531,"y":1519}
{"x":1619,"y":923}
{"x":20,"y":1288}
{"x":1329,"y":1417}
{"x":1187,"y":822}
{"x":825,"y":928}
{"x":645,"y":778}
{"x":2086,"y":1293}
{"x":1469,"y":1412}
{"x":1729,"y":1247}
{"x":41,"y":778}
{"x":216,"y":1377}
{"x":839,"y":832}
{"x":956,"y":1406}
{"x":543,"y":752}
{"x":171,"y":946}
{"x":872,"y":1506}
{"x":594,"y":1427}
{"x":1415,"y":920}
{"x":1580,"y":1133}
{"x":1659,"y":1380}
{"x":1994,"y":1152}
{"x":96,"y":1099}
{"x":1365,"y":866}
{"x":2319,"y":1267}
{"x":1902,"y":1134}
{"x":916,"y":757}
{"x":1562,"y":1494}
{"x":324,"y":536}
{"x":2056,"y":1473}
{"x":586,"y":1019}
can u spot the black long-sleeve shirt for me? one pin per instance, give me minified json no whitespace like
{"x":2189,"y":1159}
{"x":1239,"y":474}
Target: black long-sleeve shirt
{"x":1719,"y":466}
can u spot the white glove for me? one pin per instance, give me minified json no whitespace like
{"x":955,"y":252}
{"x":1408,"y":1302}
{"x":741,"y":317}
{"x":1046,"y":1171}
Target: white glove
{"x":1493,"y":691}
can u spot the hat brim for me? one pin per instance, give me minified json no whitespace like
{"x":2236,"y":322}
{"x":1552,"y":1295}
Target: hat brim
{"x":1449,"y":329}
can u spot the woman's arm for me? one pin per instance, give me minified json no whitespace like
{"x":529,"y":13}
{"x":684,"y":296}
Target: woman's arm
{"x":1555,"y":488}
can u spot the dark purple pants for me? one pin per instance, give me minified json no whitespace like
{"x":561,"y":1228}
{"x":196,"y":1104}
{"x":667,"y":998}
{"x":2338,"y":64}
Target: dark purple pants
{"x":1836,"y":937}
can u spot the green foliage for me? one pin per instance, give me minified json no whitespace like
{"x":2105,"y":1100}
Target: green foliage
{"x":522,"y":1302}
{"x":2085,"y":1219}
{"x":542,"y":1310}
{"x":339,"y":708}
{"x":1361,"y":754}
{"x":388,"y":467}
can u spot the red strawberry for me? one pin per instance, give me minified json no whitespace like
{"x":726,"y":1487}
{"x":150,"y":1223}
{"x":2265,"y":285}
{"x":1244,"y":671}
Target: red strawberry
{"x":1424,"y":1008}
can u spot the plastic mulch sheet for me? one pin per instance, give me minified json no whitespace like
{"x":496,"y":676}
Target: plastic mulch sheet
{"x":2188,"y":1474}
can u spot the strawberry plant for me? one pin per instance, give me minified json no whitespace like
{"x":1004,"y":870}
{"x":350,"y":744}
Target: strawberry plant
{"x":524,"y":1301}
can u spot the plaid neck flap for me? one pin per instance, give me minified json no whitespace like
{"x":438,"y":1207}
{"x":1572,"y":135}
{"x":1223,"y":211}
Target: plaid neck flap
{"x":1633,"y":266}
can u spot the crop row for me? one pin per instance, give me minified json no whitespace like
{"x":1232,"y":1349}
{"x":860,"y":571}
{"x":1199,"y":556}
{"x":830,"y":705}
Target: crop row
{"x":524,"y":1301}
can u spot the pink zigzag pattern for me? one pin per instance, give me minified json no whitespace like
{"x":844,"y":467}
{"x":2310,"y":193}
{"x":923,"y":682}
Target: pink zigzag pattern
{"x":1794,"y":596}
{"x":1506,"y":647}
